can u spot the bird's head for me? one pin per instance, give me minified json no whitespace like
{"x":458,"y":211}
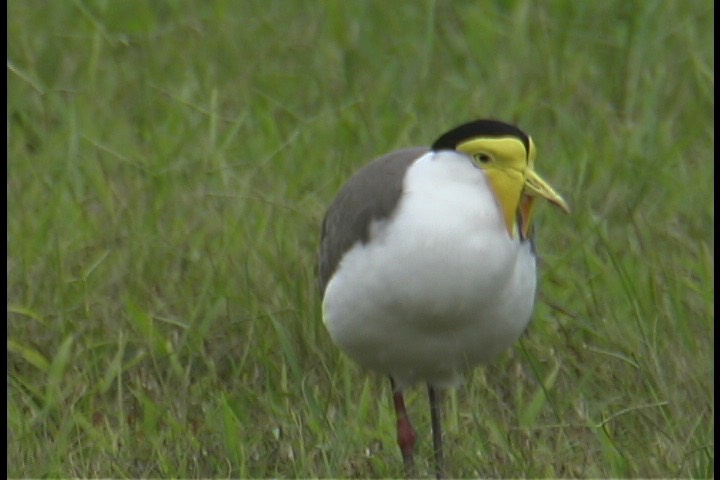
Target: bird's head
{"x":507,"y":156}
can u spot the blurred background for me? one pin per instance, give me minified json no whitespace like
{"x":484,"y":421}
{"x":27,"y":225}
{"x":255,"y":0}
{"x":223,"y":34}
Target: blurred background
{"x":169,"y":164}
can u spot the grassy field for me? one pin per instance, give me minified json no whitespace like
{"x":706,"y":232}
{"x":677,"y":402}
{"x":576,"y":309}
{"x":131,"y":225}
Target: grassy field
{"x":169,"y":165}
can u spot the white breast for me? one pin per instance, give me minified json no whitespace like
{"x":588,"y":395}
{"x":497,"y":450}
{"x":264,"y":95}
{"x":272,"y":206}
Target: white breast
{"x":440,"y":287}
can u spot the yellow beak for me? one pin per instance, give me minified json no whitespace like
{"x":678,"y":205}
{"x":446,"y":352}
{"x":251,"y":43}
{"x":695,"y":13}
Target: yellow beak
{"x":537,"y":187}
{"x":534,"y":187}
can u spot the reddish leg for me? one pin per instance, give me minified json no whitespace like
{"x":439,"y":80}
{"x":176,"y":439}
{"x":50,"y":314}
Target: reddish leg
{"x":405,"y":432}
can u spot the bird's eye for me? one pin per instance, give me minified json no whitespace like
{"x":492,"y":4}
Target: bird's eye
{"x":483,"y":158}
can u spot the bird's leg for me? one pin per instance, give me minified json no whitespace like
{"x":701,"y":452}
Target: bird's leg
{"x":435,"y":417}
{"x":405,"y":432}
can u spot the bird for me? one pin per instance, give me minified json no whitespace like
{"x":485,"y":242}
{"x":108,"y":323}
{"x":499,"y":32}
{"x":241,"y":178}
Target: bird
{"x":427,"y":264}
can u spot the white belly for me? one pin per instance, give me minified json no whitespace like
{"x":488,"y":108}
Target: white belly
{"x":438,"y":290}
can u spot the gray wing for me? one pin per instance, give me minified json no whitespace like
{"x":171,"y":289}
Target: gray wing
{"x":372,"y":193}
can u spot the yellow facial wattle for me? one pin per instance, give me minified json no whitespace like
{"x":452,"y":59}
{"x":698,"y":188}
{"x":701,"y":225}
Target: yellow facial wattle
{"x":508,"y":165}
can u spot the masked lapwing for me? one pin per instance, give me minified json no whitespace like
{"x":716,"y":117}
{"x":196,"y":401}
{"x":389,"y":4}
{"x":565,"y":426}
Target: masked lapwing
{"x":427,"y":265}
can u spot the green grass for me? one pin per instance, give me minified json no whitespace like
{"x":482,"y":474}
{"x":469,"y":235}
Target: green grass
{"x":169,"y":165}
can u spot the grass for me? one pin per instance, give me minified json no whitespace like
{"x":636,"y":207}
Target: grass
{"x":169,"y":165}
